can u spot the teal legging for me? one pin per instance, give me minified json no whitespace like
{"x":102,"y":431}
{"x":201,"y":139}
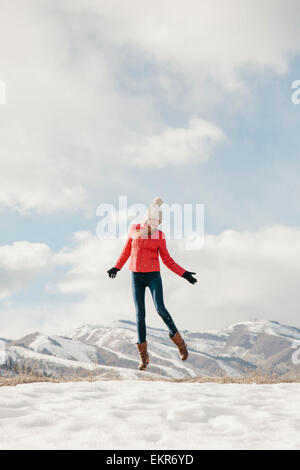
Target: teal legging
{"x":139,"y":283}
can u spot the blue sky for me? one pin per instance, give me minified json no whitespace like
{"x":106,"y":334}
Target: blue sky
{"x":105,"y":79}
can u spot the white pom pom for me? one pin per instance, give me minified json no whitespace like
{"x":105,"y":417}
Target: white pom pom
{"x":157,"y":200}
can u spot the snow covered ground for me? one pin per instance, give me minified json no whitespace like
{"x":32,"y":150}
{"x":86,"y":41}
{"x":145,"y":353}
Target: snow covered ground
{"x":136,"y":414}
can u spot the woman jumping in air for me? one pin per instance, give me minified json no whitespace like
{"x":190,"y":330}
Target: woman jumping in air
{"x":145,"y":242}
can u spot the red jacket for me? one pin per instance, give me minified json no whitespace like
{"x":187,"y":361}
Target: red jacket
{"x":144,"y":253}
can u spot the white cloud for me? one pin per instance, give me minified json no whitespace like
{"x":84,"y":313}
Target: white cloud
{"x":244,"y":275}
{"x":21,"y":264}
{"x":58,"y":129}
{"x":241,"y":275}
{"x":73,"y":101}
{"x":174,"y":146}
{"x":212,"y":38}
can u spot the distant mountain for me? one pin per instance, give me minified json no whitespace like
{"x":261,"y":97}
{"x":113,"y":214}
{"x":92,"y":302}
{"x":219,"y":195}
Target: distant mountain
{"x":109,"y":350}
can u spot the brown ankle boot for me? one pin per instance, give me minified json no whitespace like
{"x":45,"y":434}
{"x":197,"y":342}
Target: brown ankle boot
{"x":142,"y":349}
{"x":178,"y":340}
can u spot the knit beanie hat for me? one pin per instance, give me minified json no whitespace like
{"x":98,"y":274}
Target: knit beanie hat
{"x":154,"y":211}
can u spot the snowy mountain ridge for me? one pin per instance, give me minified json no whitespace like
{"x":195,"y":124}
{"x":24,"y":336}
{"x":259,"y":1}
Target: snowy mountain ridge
{"x":110,"y":350}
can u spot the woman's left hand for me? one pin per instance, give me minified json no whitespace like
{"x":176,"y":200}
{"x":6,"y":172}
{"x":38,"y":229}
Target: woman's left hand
{"x":188,"y":275}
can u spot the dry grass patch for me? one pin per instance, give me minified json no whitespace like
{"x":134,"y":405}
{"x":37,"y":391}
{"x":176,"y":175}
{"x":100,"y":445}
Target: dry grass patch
{"x":23,"y":376}
{"x":250,"y":378}
{"x":31,"y":378}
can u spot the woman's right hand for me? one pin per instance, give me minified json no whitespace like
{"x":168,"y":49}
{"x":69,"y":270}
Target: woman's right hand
{"x":112,"y":272}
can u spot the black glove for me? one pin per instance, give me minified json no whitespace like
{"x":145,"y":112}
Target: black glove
{"x":112,"y":272}
{"x":188,"y":276}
